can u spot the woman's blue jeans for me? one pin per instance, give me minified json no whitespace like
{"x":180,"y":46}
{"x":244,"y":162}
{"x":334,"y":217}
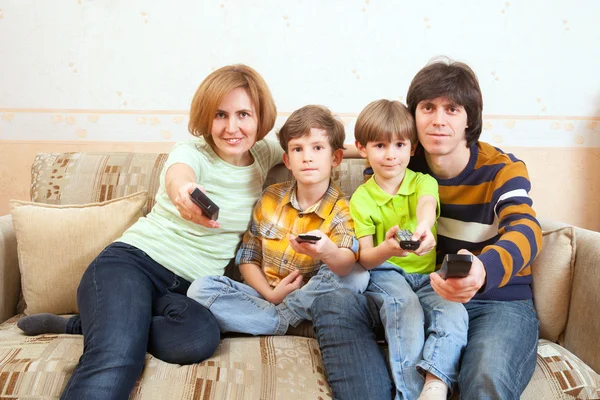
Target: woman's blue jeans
{"x":497,"y":363}
{"x":130,"y":304}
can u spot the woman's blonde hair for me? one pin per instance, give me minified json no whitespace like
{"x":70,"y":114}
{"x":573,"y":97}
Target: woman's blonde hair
{"x":217,"y":85}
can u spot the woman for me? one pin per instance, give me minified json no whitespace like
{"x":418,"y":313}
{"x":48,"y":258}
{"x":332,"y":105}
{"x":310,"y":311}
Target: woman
{"x":132,"y":298}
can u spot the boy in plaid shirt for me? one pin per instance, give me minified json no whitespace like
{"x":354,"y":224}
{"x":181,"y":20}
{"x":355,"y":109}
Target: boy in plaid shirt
{"x":284,"y":275}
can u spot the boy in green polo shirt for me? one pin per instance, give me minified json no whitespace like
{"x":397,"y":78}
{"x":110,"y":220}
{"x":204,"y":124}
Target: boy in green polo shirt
{"x":425,"y":333}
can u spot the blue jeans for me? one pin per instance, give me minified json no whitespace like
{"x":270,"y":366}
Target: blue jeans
{"x":128,"y":304}
{"x":497,"y":363}
{"x":239,"y":308}
{"x":424,"y":332}
{"x":501,"y":351}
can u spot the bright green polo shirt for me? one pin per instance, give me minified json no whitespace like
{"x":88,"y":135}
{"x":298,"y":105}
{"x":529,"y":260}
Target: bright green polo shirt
{"x":374,"y":212}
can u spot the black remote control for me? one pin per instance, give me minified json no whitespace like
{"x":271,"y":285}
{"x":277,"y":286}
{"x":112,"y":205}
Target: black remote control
{"x":404,"y":236}
{"x":209,"y":209}
{"x":456,"y":266}
{"x":307,"y":238}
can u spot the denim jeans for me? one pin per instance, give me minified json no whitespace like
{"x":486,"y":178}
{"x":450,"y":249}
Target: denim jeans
{"x":497,"y":363}
{"x":501,"y":351}
{"x":424,"y":332}
{"x":239,"y":308}
{"x":130,"y":304}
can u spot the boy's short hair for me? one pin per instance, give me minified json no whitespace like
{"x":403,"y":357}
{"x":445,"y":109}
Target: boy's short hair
{"x":300,"y":122}
{"x":444,"y":77}
{"x":217,"y":85}
{"x":382,"y":120}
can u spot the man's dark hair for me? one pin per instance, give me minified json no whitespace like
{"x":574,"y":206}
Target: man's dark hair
{"x":444,"y":77}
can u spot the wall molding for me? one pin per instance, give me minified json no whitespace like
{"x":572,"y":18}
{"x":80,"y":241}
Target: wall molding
{"x":280,"y":113}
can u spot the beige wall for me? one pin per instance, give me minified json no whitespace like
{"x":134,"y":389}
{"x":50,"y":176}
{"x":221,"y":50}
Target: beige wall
{"x":566,"y":184}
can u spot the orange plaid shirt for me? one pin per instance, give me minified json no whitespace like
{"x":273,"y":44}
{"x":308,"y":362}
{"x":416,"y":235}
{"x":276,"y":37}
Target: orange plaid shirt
{"x":277,"y":215}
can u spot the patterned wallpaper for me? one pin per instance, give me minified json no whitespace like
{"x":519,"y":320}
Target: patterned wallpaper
{"x":99,"y":70}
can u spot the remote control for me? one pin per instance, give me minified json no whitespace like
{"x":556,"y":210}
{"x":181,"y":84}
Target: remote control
{"x":456,"y":266}
{"x":209,"y":209}
{"x":404,"y":236}
{"x":307,"y":238}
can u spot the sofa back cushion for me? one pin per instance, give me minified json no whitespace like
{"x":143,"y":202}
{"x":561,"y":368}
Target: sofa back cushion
{"x":82,"y":178}
{"x":552,"y":275}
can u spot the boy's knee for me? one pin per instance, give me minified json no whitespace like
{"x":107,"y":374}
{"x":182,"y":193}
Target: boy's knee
{"x":360,"y":279}
{"x":203,"y":285}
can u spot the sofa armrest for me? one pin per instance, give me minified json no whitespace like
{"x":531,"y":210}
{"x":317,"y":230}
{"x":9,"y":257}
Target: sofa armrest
{"x":583,"y":324}
{"x":10,"y":277}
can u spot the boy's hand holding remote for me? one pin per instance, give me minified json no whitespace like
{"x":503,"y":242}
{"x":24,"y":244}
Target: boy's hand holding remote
{"x":460,"y":289}
{"x":391,"y":247}
{"x":315,"y":249}
{"x":423,"y":234}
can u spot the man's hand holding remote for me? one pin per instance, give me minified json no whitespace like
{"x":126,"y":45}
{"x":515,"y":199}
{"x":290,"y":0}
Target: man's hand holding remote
{"x":460,"y":289}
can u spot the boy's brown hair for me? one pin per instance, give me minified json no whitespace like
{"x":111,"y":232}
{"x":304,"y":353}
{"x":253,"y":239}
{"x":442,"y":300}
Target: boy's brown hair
{"x":382,"y":120}
{"x":217,"y":85}
{"x":312,"y":116}
{"x":444,"y":77}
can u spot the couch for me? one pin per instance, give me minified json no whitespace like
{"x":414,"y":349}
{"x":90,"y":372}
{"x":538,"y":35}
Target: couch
{"x":82,"y":201}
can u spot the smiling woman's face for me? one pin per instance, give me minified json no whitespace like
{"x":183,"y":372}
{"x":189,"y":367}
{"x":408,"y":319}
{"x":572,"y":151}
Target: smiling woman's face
{"x":234,"y":128}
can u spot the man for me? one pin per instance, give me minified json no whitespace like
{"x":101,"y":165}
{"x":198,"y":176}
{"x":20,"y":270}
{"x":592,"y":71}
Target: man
{"x":485,"y":211}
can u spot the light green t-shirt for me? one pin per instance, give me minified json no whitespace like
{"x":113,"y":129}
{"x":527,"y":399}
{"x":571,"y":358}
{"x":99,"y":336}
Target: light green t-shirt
{"x":374,"y":212}
{"x":186,"y":248}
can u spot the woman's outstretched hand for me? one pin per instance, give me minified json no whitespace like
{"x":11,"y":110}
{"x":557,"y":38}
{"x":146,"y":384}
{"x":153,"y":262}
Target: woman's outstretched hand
{"x":188,"y":209}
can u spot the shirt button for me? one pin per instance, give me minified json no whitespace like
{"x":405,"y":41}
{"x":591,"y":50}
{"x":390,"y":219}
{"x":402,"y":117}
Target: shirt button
{"x":300,"y":215}
{"x":399,"y":208}
{"x":285,"y":261}
{"x":403,"y":220}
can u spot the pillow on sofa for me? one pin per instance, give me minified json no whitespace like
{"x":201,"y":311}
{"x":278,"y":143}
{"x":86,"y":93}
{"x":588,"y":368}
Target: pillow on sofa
{"x":552,"y":272}
{"x":56,"y":243}
{"x":560,"y":373}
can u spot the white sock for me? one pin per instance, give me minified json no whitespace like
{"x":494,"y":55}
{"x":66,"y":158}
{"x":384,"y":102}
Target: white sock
{"x":434,"y":390}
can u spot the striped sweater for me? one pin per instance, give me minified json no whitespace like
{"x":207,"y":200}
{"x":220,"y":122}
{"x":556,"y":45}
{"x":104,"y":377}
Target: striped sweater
{"x":487,"y":210}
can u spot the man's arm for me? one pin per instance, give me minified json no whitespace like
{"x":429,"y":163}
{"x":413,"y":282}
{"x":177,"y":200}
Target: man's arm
{"x":519,"y":242}
{"x":520,"y":233}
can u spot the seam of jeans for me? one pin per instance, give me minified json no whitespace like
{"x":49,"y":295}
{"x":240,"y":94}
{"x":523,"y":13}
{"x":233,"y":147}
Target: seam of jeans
{"x":533,"y":350}
{"x":184,"y":309}
{"x":212,"y":298}
{"x":398,"y":351}
{"x":329,"y":277}
{"x":285,"y":312}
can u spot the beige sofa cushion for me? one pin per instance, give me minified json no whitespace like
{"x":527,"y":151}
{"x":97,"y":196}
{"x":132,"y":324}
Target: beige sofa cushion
{"x":242,"y":368}
{"x":552,"y":274}
{"x":56,"y":243}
